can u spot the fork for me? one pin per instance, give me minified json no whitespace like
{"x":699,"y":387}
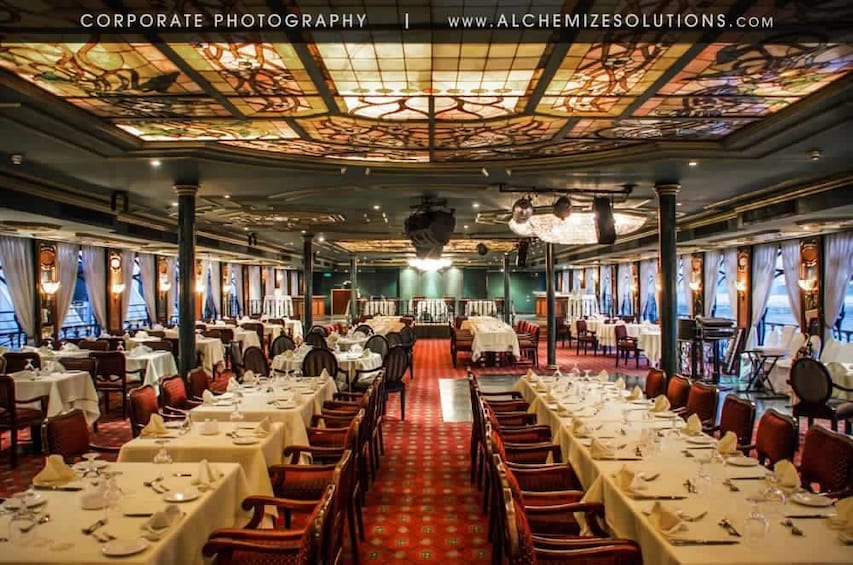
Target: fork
{"x":695,"y":518}
{"x":794,"y":529}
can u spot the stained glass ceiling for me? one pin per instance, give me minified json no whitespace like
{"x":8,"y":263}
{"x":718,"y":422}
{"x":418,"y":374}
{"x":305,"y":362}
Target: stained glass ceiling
{"x":398,"y":98}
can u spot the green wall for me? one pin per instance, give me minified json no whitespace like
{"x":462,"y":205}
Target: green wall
{"x":521,"y":288}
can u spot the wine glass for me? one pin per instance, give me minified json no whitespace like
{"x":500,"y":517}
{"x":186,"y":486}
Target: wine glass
{"x":774,"y":497}
{"x":756,"y":524}
{"x":162,"y":457}
{"x":21,"y":525}
{"x":112,"y":496}
{"x":90,"y":458}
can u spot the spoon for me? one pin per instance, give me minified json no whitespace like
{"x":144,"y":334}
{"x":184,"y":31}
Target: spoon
{"x":650,"y":477}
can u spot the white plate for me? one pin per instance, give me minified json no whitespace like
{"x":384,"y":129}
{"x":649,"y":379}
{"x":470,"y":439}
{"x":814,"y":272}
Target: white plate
{"x":741,"y":461}
{"x":245,"y":440}
{"x":124,"y":547}
{"x":182,"y":495}
{"x":808,"y":499}
{"x":665,"y":414}
{"x":173,"y":424}
{"x":84,"y":465}
{"x":700,"y":440}
{"x":285,"y":405}
{"x":30,"y":501}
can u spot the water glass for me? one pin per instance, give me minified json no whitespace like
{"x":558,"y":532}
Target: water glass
{"x":755,"y":524}
{"x":162,"y":457}
{"x":21,"y":526}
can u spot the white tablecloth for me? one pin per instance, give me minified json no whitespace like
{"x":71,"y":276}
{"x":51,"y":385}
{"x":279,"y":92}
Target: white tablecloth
{"x":65,"y":391}
{"x":216,"y":508}
{"x":348,"y":362}
{"x":433,"y":309}
{"x":481,"y":308}
{"x":219,"y":448}
{"x":491,"y":335}
{"x":157,"y":364}
{"x":247,"y":338}
{"x":606,"y":333}
{"x":278,"y":306}
{"x":273,"y":330}
{"x":625,"y":515}
{"x":383,"y":325}
{"x":380,"y":308}
{"x":346,"y":342}
{"x":257,"y":405}
{"x":649,"y":342}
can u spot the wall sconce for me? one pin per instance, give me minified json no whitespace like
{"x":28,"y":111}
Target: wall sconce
{"x":117,"y":288}
{"x":634,"y":288}
{"x":695,"y":284}
{"x":165,"y":286}
{"x":50,"y":287}
{"x":807,"y":285}
{"x":741,"y":286}
{"x":199,"y":287}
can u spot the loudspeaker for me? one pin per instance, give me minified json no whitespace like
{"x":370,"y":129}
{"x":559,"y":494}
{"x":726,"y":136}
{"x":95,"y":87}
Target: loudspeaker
{"x":605,"y":225}
{"x":482,"y":249}
{"x":521,"y":258}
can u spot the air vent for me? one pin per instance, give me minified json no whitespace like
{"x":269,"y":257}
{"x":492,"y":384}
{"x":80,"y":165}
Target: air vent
{"x":769,"y":212}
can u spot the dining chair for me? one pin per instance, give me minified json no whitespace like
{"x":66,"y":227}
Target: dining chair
{"x":254,"y":360}
{"x":237,"y":364}
{"x":143,"y":404}
{"x":378,"y":344}
{"x":198,"y":381}
{"x":16,"y":414}
{"x":174,"y":398}
{"x":655,"y":383}
{"x":318,"y":359}
{"x":586,"y":338}
{"x":738,"y":416}
{"x":319,"y":330}
{"x":678,"y":391}
{"x":827,"y":462}
{"x":776,"y":437}
{"x":67,"y":435}
{"x":17,"y":360}
{"x":316,"y":340}
{"x":161,"y":345}
{"x":625,"y":344}
{"x":112,"y":376}
{"x":364,"y":329}
{"x":396,"y":364}
{"x":394,"y":338}
{"x":460,"y":342}
{"x":407,"y":341}
{"x":528,"y":344}
{"x":702,"y":400}
{"x":281,"y":344}
{"x":813,"y":386}
{"x":94,"y":344}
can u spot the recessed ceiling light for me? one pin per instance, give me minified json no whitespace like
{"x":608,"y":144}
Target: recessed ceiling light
{"x":155,"y":162}
{"x":174,"y":203}
{"x":321,"y":239}
{"x":475,"y":205}
{"x":376,"y":206}
{"x":692,"y":163}
{"x":465,"y":226}
{"x":246,"y":229}
{"x":679,"y":203}
{"x":226,"y":196}
{"x":303,"y":231}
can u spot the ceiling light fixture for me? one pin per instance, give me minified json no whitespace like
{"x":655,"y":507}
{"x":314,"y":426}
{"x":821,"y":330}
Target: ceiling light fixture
{"x":343,"y":170}
{"x":50,"y":287}
{"x":465,"y":227}
{"x":155,"y":163}
{"x":367,"y":171}
{"x":226,"y":196}
{"x":484,"y":171}
{"x":576,"y":229}
{"x":563,"y":207}
{"x":815,"y":154}
{"x":377,"y":207}
{"x":174,"y":203}
{"x":475,"y":205}
{"x":118,"y":288}
{"x":692,"y":163}
{"x":522,"y":210}
{"x":430,"y":265}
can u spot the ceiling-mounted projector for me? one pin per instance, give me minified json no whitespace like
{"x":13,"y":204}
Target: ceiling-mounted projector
{"x":430,"y":227}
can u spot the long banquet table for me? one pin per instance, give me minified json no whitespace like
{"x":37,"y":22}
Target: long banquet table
{"x":63,"y":542}
{"x":627,"y":516}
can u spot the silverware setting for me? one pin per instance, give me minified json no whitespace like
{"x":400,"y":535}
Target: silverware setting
{"x":732,"y":487}
{"x":658,"y":497}
{"x":650,"y":478}
{"x":103,"y":537}
{"x":691,"y":488}
{"x":727,"y":525}
{"x":91,"y":529}
{"x":684,"y":542}
{"x":807,"y":516}
{"x":794,"y":529}
{"x":687,"y":453}
{"x":695,"y":518}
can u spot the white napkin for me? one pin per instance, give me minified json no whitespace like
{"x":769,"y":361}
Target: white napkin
{"x":233,"y":385}
{"x":55,"y":472}
{"x":694,"y":425}
{"x":163,"y":519}
{"x":728,"y":444}
{"x":208,"y":397}
{"x":140,"y":351}
{"x":665,"y":521}
{"x":155,"y":427}
{"x":636,"y":393}
{"x":249,"y":377}
{"x":219,"y":323}
{"x":264,"y":427}
{"x":157,"y":327}
{"x":603,"y":376}
{"x":23,"y":375}
{"x":206,"y":474}
{"x":69,"y":347}
{"x":625,"y":479}
{"x":579,"y":429}
{"x":620,"y":383}
{"x":141,"y":334}
{"x":599,"y":450}
{"x":93,"y":498}
{"x":661,"y":404}
{"x":843,"y":519}
{"x":786,"y":474}
{"x":530,"y":375}
{"x":325,"y":375}
{"x":356,"y":348}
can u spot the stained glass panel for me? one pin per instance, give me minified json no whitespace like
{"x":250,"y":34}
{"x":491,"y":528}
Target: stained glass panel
{"x":209,"y":130}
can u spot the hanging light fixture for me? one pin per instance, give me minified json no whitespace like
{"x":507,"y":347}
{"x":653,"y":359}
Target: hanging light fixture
{"x":118,"y":288}
{"x":430,"y":265}
{"x":577,"y":229}
{"x":165,"y":285}
{"x":522,"y":210}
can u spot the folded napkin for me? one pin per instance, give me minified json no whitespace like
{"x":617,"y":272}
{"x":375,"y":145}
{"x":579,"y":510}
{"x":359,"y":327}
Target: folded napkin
{"x":264,"y":427}
{"x":142,"y":334}
{"x":93,"y":498}
{"x":625,"y":479}
{"x":219,"y":323}
{"x":694,"y":425}
{"x":55,"y":472}
{"x":530,"y":375}
{"x":208,"y":397}
{"x":69,"y":347}
{"x":233,"y":385}
{"x":249,"y":377}
{"x":579,"y":429}
{"x":603,"y":376}
{"x":23,"y":375}
{"x":366,"y":353}
{"x":636,"y":393}
{"x":93,"y":338}
{"x":206,"y":474}
{"x":620,"y":383}
{"x":288,"y":354}
{"x":661,"y":404}
{"x":157,"y":327}
{"x":52,"y":367}
{"x":140,"y":351}
{"x":728,"y":444}
{"x":325,"y":375}
{"x":664,"y":520}
{"x":163,"y":519}
{"x":155,"y":427}
{"x":786,"y":474}
{"x":843,"y":519}
{"x":599,"y":450}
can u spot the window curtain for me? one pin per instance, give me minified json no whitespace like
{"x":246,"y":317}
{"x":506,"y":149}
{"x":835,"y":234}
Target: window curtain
{"x":730,"y":266}
{"x":67,"y":256}
{"x":838,"y":257}
{"x":172,"y":293}
{"x":254,"y":283}
{"x":237,"y":274}
{"x":17,"y":259}
{"x":589,"y":275}
{"x":712,"y":274}
{"x":576,"y":280}
{"x":148,"y":272}
{"x":95,"y":271}
{"x":763,"y":269}
{"x":648,"y":279}
{"x":127,"y":257}
{"x":623,"y":287}
{"x":685,"y":292}
{"x":216,"y":287}
{"x":791,"y":272}
{"x":269,"y":282}
{"x":294,"y":284}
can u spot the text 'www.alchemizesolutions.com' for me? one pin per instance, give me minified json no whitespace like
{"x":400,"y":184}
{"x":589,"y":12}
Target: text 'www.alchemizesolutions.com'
{"x":603,"y":21}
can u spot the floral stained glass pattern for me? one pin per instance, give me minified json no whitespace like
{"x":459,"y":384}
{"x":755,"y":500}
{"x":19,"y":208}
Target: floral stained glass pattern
{"x":211,"y":130}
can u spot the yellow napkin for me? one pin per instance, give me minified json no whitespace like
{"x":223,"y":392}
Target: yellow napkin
{"x":728,"y":444}
{"x":694,"y":425}
{"x":579,"y":429}
{"x":233,"y":385}
{"x":620,"y":383}
{"x":208,"y":397}
{"x":636,"y":393}
{"x":604,"y":376}
{"x":142,"y":334}
{"x":530,"y":375}
{"x":325,"y":375}
{"x":23,"y":375}
{"x":206,"y":474}
{"x":666,"y":521}
{"x":288,"y":354}
{"x":163,"y":519}
{"x":661,"y":404}
{"x":625,"y":478}
{"x":55,"y":472}
{"x":598,"y":450}
{"x":843,"y":519}
{"x":263,"y":428}
{"x":155,"y":426}
{"x":249,"y":377}
{"x":786,"y":475}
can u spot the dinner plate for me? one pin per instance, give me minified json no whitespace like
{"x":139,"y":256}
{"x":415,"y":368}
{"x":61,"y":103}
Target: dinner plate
{"x":638,"y":401}
{"x":809,"y":499}
{"x":30,"y":501}
{"x":182,"y":495}
{"x":741,"y":461}
{"x":700,"y":440}
{"x":665,"y":414}
{"x":124,"y":547}
{"x":244,"y":440}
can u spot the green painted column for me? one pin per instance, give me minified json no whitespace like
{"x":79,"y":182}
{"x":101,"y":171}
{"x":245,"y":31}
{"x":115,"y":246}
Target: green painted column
{"x":669,"y":276}
{"x":507,"y":298}
{"x":551,"y":305}
{"x":186,"y":259}
{"x":308,"y":277}
{"x":353,"y":289}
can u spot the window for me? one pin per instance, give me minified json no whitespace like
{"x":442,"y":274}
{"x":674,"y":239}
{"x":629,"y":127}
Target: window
{"x":844,"y":323}
{"x":722,"y":304}
{"x":683,"y":297}
{"x":10,"y":335}
{"x":80,"y":318}
{"x":626,"y":297}
{"x":606,"y":292}
{"x":778,"y":306}
{"x":232,"y":308}
{"x":137,"y":313}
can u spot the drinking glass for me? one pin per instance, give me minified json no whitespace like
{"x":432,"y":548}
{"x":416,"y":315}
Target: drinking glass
{"x":112,"y":497}
{"x":21,"y":525}
{"x":162,"y":457}
{"x":755,"y":524}
{"x":90,"y":463}
{"x":774,"y":498}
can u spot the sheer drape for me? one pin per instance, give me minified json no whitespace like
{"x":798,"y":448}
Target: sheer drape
{"x":791,"y":271}
{"x":17,"y":260}
{"x":712,"y":274}
{"x":763,"y":269}
{"x":147,"y":271}
{"x":269,"y":281}
{"x":589,"y":276}
{"x":294,"y":284}
{"x":67,"y":257}
{"x":237,"y":274}
{"x":172,"y":293}
{"x":127,"y":257}
{"x":576,"y":280}
{"x":216,"y":287}
{"x":623,"y":288}
{"x":648,"y":278}
{"x":838,"y":256}
{"x":685,"y":293}
{"x":730,"y":266}
{"x":255,"y":295}
{"x":95,"y":271}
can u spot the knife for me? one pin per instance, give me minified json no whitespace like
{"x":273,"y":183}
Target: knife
{"x":49,"y":487}
{"x":746,"y":478}
{"x":808,"y":516}
{"x":91,"y":529}
{"x":685,"y":542}
{"x":701,"y":447}
{"x":658,"y":497}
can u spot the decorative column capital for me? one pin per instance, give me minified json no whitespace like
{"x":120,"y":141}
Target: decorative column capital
{"x":186,"y":189}
{"x":667,"y":189}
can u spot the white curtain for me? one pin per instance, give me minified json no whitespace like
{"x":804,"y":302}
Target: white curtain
{"x":838,"y":262}
{"x":269,"y":282}
{"x":791,"y":272}
{"x":685,"y":292}
{"x":576,"y":280}
{"x":712,"y":274}
{"x":763,"y":269}
{"x":648,"y":280}
{"x":67,"y":256}
{"x":172,"y":293}
{"x":294,"y":284}
{"x":95,"y":271}
{"x":589,"y":275}
{"x":147,"y":271}
{"x":17,"y":259}
{"x":216,"y":287}
{"x":623,"y":288}
{"x":127,"y":257}
{"x":730,"y":266}
{"x":237,"y":274}
{"x":255,"y":283}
